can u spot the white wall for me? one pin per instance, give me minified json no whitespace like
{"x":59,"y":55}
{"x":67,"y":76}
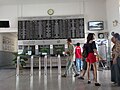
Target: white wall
{"x":9,"y":12}
{"x":92,"y":10}
{"x":95,"y":10}
{"x":112,"y":8}
{"x":59,"y":9}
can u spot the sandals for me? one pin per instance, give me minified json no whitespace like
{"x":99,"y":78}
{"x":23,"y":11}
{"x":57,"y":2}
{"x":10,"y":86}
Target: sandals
{"x":89,"y":81}
{"x":81,"y":78}
{"x":97,"y":84}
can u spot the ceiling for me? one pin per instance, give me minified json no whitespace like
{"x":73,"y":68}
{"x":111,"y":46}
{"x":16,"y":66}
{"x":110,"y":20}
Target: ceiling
{"x":10,"y":2}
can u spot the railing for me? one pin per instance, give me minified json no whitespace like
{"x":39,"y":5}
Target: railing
{"x":45,"y":65}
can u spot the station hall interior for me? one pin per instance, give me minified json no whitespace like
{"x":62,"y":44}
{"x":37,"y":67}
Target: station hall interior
{"x":33,"y":40}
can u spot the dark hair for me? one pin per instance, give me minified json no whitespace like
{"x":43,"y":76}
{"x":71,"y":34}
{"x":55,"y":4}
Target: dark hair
{"x":69,"y":40}
{"x":116,"y":35}
{"x":90,"y":37}
{"x":78,"y":44}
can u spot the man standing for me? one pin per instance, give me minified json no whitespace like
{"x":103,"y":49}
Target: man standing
{"x":70,"y":63}
{"x":115,"y":69}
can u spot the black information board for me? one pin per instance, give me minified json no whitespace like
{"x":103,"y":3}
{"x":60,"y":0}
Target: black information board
{"x":50,"y":29}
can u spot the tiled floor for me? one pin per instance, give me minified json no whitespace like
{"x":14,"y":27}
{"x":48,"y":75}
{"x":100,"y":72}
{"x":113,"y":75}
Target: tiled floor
{"x":51,"y":81}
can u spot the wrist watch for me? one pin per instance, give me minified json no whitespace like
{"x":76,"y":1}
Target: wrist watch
{"x":50,"y":11}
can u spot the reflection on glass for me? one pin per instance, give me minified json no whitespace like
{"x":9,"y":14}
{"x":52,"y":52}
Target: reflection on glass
{"x":39,"y":78}
{"x":39,"y":71}
{"x":59,"y":82}
{"x":17,"y":82}
{"x":45,"y":65}
{"x":31,"y":73}
{"x":31,"y":83}
{"x":51,"y":76}
{"x":45,"y":82}
{"x":73,"y":79}
{"x":50,"y":67}
{"x":59,"y":65}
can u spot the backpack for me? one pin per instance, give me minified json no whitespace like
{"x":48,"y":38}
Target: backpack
{"x":84,"y":53}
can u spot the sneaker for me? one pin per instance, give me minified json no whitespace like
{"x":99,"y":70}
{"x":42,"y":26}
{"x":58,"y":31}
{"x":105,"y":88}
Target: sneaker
{"x":64,"y":75}
{"x":97,"y":84}
{"x":76,"y":75}
{"x":89,"y":81}
{"x":81,"y":78}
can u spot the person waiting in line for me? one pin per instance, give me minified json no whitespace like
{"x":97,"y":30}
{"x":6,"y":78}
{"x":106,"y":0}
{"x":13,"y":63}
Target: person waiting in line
{"x":115,"y":69}
{"x":78,"y":58}
{"x":70,"y":64}
{"x":91,"y":58}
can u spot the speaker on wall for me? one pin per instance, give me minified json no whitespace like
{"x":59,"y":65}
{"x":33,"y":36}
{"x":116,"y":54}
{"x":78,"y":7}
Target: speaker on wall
{"x":4,"y":24}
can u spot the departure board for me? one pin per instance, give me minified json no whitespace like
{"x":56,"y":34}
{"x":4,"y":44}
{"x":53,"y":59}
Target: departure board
{"x":51,"y":29}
